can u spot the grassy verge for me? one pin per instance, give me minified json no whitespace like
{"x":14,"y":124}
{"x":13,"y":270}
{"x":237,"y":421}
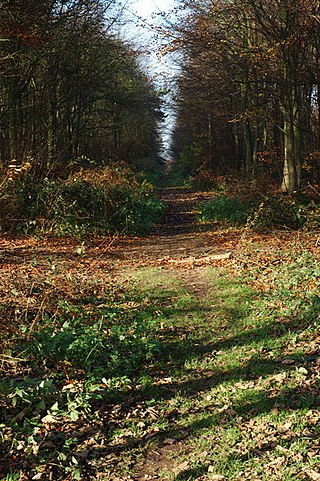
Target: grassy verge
{"x":247,"y":401}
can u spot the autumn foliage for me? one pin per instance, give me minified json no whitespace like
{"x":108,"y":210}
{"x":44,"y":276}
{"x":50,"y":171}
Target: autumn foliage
{"x":249,"y":88}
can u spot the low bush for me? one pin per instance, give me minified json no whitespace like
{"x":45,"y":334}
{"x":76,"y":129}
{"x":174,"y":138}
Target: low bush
{"x":104,"y":200}
{"x":287,"y":212}
{"x":225,"y":209}
{"x":113,"y":346}
{"x":93,"y":338}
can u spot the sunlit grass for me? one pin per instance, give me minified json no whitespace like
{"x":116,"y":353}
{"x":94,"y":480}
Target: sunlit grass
{"x":225,"y":378}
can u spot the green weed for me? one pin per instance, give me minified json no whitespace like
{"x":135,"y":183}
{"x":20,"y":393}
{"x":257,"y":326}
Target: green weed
{"x":103,"y":201}
{"x":223,"y":209}
{"x":229,"y":379}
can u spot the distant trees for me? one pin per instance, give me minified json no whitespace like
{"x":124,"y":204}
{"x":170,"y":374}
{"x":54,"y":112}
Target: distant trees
{"x":69,"y":88}
{"x":249,"y":88}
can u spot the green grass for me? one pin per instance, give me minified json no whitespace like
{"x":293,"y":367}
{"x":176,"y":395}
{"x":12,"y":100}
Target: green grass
{"x":230,"y":377}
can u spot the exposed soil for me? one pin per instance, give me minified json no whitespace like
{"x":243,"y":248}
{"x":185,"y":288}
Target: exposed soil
{"x":179,"y":241}
{"x":179,"y":236}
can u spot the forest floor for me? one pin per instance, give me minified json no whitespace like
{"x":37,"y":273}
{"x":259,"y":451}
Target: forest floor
{"x":228,"y":385}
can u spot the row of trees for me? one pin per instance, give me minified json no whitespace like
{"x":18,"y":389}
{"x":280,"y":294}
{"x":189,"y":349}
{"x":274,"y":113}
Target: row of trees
{"x":249,"y":89}
{"x":69,"y":88}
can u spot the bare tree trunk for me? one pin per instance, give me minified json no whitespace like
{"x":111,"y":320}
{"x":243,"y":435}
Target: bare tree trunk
{"x":289,"y":180}
{"x":292,"y":132}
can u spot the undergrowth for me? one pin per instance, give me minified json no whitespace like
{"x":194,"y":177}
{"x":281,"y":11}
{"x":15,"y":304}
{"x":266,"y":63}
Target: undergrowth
{"x":261,"y":212}
{"x":296,"y":212}
{"x":106,"y":200}
{"x":225,"y":209}
{"x":84,"y":352}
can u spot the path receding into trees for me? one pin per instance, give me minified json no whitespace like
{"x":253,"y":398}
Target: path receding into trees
{"x":180,"y":239}
{"x":177,"y":238}
{"x":180,"y":242}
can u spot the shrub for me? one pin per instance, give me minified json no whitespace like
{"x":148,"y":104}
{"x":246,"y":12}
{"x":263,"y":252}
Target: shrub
{"x":105,"y":200}
{"x":223,"y":209}
{"x":113,"y":351}
{"x":287,"y":212}
{"x":97,"y":335}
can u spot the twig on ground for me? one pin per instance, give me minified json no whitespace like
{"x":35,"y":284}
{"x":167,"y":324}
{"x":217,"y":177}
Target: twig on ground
{"x":38,"y":314}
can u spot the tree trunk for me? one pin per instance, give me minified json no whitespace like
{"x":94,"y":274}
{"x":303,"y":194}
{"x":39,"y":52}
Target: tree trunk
{"x":289,"y":180}
{"x":292,"y":132}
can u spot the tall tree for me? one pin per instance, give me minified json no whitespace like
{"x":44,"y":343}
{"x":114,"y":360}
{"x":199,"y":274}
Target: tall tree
{"x":69,"y":87}
{"x":261,"y":57}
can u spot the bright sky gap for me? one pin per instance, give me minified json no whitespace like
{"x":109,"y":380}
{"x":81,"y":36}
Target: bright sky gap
{"x":143,"y":16}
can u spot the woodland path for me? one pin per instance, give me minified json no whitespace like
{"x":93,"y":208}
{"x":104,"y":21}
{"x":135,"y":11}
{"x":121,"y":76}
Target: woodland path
{"x":159,"y":424}
{"x":184,"y":246}
{"x":179,"y":240}
{"x":179,"y":244}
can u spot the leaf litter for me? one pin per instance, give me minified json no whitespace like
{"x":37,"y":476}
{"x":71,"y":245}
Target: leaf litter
{"x":242,"y":403}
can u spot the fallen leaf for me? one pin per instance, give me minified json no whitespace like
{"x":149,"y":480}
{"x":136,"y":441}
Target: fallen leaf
{"x":183,"y":466}
{"x":312,"y":474}
{"x":203,"y":455}
{"x":49,"y":419}
{"x":285,"y":427}
{"x":303,"y":370}
{"x":215,"y":477}
{"x":35,"y":451}
{"x":231,"y":412}
{"x":21,"y":445}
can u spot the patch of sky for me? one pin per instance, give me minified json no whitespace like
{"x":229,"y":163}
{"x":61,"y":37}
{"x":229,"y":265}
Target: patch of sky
{"x":145,"y":22}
